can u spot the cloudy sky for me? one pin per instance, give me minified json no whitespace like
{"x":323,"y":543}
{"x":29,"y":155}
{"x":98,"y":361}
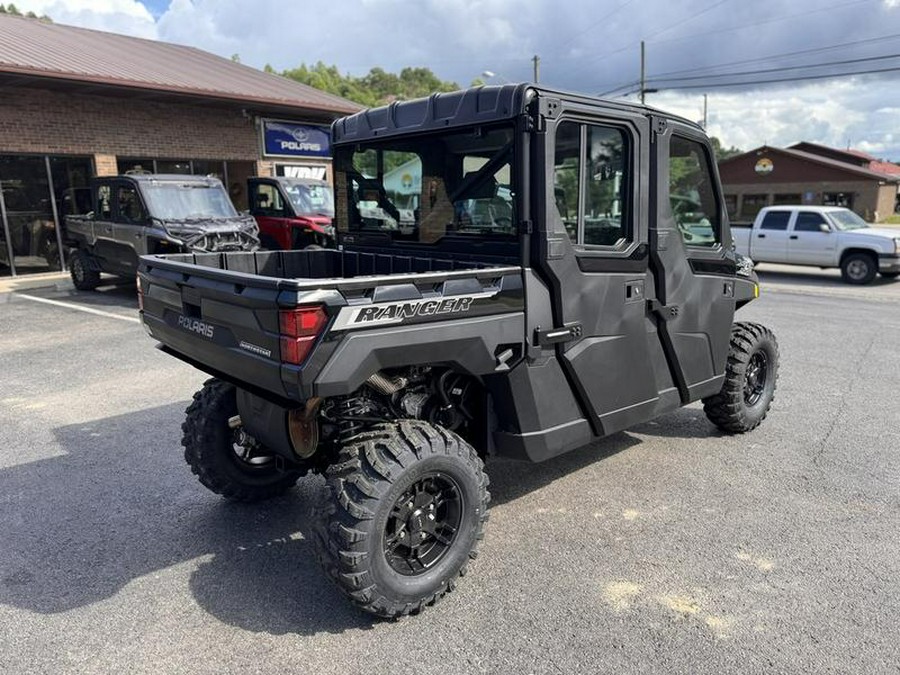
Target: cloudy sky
{"x":585,"y":45}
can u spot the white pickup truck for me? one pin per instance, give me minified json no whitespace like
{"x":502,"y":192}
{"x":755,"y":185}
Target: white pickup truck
{"x":821,"y":236}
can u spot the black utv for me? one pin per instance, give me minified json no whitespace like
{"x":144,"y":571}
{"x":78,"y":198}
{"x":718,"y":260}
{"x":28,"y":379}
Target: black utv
{"x":547,"y":293}
{"x":137,"y":214}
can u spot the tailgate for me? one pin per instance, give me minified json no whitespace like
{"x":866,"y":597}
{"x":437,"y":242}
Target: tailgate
{"x":225,"y":322}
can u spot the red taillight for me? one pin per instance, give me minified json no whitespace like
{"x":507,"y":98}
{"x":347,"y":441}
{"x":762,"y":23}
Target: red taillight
{"x":299,"y":329}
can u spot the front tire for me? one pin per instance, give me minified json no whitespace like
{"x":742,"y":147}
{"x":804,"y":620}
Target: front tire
{"x":222,"y":458}
{"x":859,"y":268}
{"x":751,"y":375}
{"x":401,"y":516}
{"x":84,"y":276}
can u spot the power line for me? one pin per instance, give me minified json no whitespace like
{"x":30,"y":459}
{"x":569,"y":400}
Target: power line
{"x":600,"y":20}
{"x":778,"y":56}
{"x":782,"y":69}
{"x":798,"y":78}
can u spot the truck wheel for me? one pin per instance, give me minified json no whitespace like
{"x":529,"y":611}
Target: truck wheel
{"x":84,"y":276}
{"x":401,"y":516}
{"x":750,"y":379}
{"x":859,"y":268}
{"x":221,"y":455}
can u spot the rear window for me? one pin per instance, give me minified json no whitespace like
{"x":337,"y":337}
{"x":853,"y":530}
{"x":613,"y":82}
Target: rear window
{"x":776,"y":220}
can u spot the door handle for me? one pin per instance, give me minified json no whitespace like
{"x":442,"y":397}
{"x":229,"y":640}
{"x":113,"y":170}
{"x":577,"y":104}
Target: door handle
{"x":793,"y":236}
{"x":761,"y":236}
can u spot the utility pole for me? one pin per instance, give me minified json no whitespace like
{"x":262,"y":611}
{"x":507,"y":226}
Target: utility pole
{"x":537,"y":68}
{"x":704,"y":111}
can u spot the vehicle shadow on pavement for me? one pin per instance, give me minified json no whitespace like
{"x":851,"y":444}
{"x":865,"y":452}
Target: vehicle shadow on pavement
{"x":511,"y":479}
{"x":121,"y":505}
{"x":688,"y":422}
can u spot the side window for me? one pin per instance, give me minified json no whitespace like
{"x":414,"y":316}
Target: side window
{"x":590,"y":183}
{"x":130,"y":209}
{"x":566,"y":172}
{"x":810,"y":221}
{"x":692,"y":196}
{"x":775,"y":220}
{"x":267,"y":200}
{"x":104,"y":202}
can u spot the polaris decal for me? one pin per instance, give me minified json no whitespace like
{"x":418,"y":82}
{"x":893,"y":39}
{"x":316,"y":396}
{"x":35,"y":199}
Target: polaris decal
{"x":197,"y":326}
{"x":392,"y":313}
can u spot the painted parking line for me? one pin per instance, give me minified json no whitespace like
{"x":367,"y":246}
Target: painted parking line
{"x":79,"y":308}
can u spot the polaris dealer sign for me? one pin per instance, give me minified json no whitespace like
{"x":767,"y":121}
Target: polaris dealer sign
{"x":286,"y":139}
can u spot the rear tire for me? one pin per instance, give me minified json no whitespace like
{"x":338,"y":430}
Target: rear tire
{"x":401,"y":516}
{"x":84,"y":276}
{"x":859,"y":268}
{"x":751,"y":376}
{"x":221,"y":464}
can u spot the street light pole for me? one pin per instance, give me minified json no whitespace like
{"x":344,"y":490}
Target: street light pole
{"x":537,"y":68}
{"x":643,"y":64}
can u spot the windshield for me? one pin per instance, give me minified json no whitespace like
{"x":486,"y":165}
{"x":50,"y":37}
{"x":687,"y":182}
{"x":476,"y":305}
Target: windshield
{"x":847,"y":220}
{"x":428,"y":188}
{"x":310,"y":199}
{"x":186,"y":201}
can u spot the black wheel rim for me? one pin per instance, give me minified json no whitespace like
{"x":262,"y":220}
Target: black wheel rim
{"x":423,"y":524}
{"x":755,"y":379}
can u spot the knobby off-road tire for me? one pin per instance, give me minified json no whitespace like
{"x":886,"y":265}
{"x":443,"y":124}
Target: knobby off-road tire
{"x":401,"y":515}
{"x":83,"y":275}
{"x":750,"y":378}
{"x":211,"y":451}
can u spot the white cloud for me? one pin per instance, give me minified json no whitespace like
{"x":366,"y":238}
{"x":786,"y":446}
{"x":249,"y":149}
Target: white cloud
{"x":128,"y":17}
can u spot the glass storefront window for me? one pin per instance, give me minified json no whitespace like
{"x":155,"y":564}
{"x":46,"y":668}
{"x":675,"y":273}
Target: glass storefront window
{"x":136,"y":165}
{"x":31,"y":187}
{"x":28,"y":211}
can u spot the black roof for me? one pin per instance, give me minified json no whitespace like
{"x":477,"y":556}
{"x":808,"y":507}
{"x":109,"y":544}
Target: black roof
{"x":466,"y":107}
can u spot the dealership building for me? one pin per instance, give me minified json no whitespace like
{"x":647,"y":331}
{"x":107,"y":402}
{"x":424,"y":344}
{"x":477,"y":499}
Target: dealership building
{"x":809,"y":173}
{"x":79,"y":103}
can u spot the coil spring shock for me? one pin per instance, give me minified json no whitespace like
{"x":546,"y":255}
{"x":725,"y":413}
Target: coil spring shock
{"x":353,"y":415}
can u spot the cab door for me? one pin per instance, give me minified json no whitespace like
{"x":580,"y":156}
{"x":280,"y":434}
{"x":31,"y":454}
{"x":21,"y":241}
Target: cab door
{"x":592,"y":252}
{"x":129,"y":229}
{"x":769,"y":242}
{"x":811,"y":240}
{"x":691,"y":258}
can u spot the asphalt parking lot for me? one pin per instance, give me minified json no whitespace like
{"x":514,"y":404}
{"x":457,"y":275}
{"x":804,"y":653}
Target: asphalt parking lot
{"x":667,"y":548}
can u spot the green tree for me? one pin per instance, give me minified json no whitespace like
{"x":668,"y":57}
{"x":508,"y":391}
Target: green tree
{"x":377,"y":87}
{"x":721,"y":151}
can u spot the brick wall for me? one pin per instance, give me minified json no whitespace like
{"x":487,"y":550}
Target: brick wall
{"x":42,"y":121}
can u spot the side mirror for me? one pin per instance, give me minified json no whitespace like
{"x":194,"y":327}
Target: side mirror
{"x":824,"y":227}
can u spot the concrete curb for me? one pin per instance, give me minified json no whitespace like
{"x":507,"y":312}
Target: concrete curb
{"x":60,"y":280}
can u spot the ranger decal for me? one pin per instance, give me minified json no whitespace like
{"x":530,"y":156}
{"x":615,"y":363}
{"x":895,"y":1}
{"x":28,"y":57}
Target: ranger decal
{"x":388,"y":313}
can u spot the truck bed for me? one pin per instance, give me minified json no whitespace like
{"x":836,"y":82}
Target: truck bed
{"x":220,"y":311}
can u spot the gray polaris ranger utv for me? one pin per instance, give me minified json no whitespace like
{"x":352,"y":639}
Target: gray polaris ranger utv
{"x":133,"y":215}
{"x":545,"y":292}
